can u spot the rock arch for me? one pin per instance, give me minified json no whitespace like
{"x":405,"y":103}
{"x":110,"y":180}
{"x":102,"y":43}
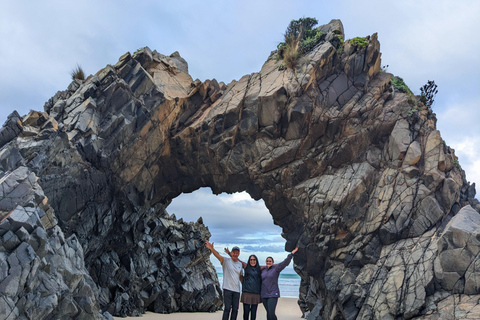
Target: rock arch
{"x":352,"y":170}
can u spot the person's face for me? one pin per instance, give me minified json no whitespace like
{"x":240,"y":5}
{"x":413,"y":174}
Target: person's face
{"x":269,"y":262}
{"x":252,"y":261}
{"x":235,"y":254}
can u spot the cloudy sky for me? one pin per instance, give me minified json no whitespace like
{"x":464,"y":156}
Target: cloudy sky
{"x":42,"y":41}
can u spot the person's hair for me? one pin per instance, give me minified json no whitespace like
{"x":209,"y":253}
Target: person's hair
{"x":257,"y":266}
{"x":270,"y":258}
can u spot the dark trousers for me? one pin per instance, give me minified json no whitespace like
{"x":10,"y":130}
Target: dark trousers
{"x":250,"y":309}
{"x":270,"y":305}
{"x":231,"y":300}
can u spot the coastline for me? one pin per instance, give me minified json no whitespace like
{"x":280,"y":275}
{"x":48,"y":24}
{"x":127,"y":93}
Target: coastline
{"x":287,"y":309}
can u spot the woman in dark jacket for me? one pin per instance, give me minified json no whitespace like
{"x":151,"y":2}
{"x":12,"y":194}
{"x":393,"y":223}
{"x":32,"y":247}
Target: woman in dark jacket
{"x":270,"y":291}
{"x":251,"y":288}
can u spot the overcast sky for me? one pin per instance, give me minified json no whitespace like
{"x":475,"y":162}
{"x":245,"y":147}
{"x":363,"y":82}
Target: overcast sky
{"x":42,"y":41}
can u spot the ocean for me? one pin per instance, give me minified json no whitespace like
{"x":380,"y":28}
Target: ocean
{"x":287,"y":283}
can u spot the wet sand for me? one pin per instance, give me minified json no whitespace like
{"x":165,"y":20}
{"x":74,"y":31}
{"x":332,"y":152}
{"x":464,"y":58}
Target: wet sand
{"x":287,"y":309}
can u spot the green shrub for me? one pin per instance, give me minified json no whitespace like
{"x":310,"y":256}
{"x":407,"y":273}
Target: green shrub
{"x":339,"y":44}
{"x":280,"y":50}
{"x":77,"y":73}
{"x":300,"y":38}
{"x":400,"y":85}
{"x":301,"y":28}
{"x":359,"y":42}
{"x":311,"y":41}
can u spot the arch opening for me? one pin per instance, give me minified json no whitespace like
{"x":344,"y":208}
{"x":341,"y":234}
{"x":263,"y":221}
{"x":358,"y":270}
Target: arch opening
{"x":238,"y":220}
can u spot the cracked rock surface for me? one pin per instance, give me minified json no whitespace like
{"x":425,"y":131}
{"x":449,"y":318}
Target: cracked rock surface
{"x":353,"y":170}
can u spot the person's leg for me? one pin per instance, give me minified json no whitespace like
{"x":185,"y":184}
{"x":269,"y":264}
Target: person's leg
{"x":273,"y":306}
{"x":270,"y":304}
{"x":235,"y":305}
{"x":227,"y":303}
{"x":264,"y":302}
{"x":246,"y":311}
{"x":253,"y":308}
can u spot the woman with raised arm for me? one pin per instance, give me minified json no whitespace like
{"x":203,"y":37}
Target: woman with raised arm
{"x":270,"y":291}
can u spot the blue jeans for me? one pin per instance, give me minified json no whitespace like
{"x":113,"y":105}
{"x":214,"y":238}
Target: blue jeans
{"x":231,"y":300}
{"x":270,"y":305}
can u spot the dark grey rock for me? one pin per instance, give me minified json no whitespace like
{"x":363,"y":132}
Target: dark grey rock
{"x":11,"y":128}
{"x":10,"y":240}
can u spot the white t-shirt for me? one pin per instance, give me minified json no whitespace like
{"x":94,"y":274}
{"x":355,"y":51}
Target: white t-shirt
{"x":231,"y":274}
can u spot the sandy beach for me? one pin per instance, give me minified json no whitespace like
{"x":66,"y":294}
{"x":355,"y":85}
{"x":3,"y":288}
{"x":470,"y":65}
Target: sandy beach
{"x":287,"y":309}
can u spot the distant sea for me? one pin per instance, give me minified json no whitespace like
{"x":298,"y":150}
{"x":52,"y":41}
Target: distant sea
{"x":287,"y":283}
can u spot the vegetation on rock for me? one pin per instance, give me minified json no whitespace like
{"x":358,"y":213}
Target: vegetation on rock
{"x":359,"y":41}
{"x":340,"y":43}
{"x":400,"y":85}
{"x":299,"y":38}
{"x":138,"y":50}
{"x":428,"y":93}
{"x":77,"y":73}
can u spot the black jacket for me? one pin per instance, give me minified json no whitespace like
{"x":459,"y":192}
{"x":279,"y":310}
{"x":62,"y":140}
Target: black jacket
{"x":252,"y":281}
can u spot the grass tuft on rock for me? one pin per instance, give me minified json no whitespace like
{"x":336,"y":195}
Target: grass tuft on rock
{"x":77,"y":73}
{"x":300,"y":37}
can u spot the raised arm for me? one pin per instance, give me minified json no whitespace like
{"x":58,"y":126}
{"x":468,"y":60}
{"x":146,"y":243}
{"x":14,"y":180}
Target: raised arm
{"x":215,"y":252}
{"x":282,"y":265}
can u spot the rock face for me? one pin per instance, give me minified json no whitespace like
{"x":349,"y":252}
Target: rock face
{"x":42,"y":273}
{"x":353,"y":170}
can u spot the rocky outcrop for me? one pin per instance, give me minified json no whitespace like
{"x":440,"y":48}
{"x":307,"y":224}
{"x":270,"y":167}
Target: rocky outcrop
{"x":353,"y":170}
{"x":42,"y":273}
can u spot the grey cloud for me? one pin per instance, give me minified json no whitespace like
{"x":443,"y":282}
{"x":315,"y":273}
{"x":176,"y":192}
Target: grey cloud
{"x":271,"y":248}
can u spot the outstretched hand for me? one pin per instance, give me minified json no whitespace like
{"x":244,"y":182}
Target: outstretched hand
{"x":215,"y":253}
{"x":209,"y":245}
{"x":294,"y":250}
{"x":227,"y":251}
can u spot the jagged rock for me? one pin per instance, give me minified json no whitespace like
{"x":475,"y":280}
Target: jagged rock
{"x":11,"y":128}
{"x":42,"y":274}
{"x":362,"y":186}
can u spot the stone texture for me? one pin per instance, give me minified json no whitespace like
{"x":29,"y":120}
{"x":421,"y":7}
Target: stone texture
{"x":40,"y":269}
{"x":364,"y":188}
{"x":457,"y":266}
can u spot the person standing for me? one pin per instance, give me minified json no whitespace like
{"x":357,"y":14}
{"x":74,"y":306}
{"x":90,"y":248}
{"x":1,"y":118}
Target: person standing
{"x":270,"y":291}
{"x":252,"y":284}
{"x":232,"y":269}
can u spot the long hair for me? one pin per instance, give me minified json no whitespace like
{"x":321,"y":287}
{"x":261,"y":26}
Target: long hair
{"x":257,"y":266}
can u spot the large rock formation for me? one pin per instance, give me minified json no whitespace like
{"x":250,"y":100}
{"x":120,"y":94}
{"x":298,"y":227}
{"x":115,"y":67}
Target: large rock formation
{"x":353,"y":170}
